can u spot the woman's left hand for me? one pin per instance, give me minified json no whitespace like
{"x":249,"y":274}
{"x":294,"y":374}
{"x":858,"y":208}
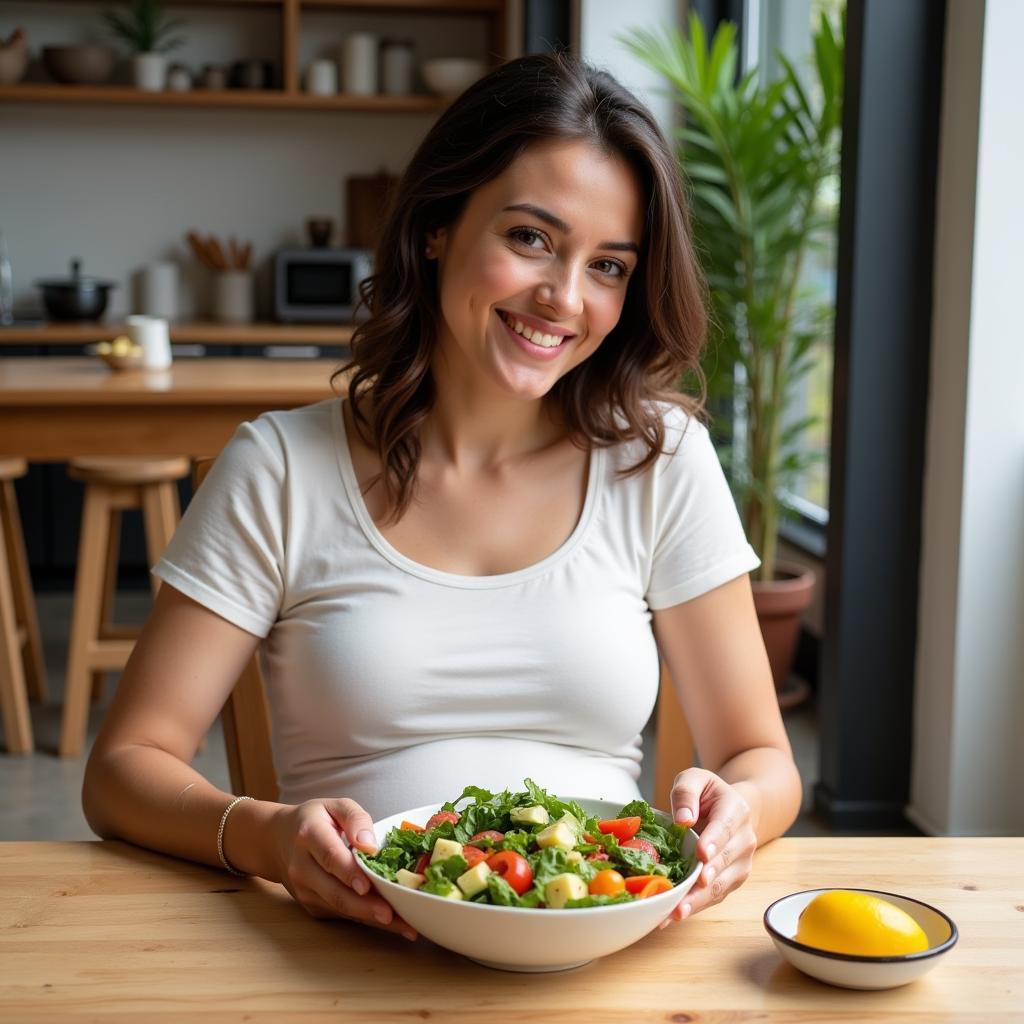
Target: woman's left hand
{"x":718,"y":812}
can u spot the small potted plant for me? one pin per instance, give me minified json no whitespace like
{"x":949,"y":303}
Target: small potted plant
{"x":755,"y":157}
{"x":144,"y":27}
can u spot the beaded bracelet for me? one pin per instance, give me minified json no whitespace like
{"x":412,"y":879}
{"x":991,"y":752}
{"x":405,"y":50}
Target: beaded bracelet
{"x":220,"y":835}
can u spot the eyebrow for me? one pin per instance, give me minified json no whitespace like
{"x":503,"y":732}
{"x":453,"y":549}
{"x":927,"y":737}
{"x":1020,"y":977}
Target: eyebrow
{"x":556,"y":222}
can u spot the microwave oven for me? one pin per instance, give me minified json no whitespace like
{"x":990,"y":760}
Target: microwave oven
{"x":319,"y":285}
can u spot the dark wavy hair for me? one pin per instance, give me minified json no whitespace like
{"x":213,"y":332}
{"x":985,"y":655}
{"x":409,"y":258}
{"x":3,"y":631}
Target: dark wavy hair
{"x":609,"y":397}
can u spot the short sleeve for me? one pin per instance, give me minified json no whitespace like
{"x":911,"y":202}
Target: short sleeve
{"x":699,"y":542}
{"x":228,"y":551}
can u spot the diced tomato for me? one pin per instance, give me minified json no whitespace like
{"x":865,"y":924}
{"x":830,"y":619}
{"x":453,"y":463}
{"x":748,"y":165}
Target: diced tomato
{"x":421,"y":864}
{"x":621,"y":828}
{"x":442,"y":816}
{"x":408,"y":826}
{"x":658,"y":884}
{"x":514,"y":868}
{"x":487,"y":838}
{"x":607,"y":883}
{"x":642,"y":844}
{"x":598,"y":855}
{"x":473,"y":856}
{"x":588,"y":838}
{"x":636,"y":883}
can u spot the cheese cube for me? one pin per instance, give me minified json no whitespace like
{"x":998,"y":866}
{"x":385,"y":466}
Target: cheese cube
{"x":445,"y":848}
{"x":474,"y":880}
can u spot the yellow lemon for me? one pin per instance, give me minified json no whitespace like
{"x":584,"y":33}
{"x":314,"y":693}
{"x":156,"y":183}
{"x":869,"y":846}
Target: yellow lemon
{"x":841,"y":921}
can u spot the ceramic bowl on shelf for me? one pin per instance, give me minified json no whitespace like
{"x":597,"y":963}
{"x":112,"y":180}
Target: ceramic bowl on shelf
{"x":448,"y":76}
{"x":864,"y":972}
{"x":79,"y":65}
{"x":533,"y":941}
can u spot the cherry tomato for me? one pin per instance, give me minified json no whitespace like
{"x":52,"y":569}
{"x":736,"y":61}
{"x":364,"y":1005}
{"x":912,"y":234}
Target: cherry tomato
{"x":621,"y":828}
{"x":473,"y":856}
{"x":642,"y":844}
{"x":635,"y":883}
{"x":422,"y":863}
{"x":408,"y":826}
{"x":441,"y":817}
{"x":658,"y":884}
{"x":514,"y":868}
{"x":607,"y":883}
{"x":488,"y":837}
{"x":598,"y":855}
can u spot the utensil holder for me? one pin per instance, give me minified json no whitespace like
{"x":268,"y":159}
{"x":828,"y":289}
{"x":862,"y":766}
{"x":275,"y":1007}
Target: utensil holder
{"x":233,"y":297}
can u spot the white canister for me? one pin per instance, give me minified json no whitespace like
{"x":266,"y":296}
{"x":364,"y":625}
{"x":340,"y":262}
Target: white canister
{"x":159,"y":290}
{"x":153,"y":334}
{"x":396,"y":67}
{"x":359,"y":64}
{"x":233,"y":297}
{"x":150,"y":71}
{"x":322,"y":78}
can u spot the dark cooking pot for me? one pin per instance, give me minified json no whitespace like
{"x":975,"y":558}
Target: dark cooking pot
{"x":75,"y":297}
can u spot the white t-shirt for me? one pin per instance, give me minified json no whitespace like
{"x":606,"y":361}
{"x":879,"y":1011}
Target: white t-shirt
{"x":397,"y":684}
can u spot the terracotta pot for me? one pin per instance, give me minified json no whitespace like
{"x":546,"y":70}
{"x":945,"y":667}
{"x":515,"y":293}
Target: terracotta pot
{"x":780,"y":604}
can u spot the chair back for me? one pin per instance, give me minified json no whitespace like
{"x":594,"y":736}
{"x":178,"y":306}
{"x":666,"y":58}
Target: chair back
{"x":246,"y":722}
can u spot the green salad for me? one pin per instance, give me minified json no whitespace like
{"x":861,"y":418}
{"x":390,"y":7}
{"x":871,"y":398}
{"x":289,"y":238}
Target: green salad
{"x":530,"y":849}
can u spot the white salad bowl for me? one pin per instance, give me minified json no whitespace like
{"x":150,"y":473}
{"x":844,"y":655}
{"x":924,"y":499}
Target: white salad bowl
{"x":516,"y":939}
{"x":864,"y":972}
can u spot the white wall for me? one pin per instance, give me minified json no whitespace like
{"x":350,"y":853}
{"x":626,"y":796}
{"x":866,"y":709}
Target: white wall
{"x":968,"y":764}
{"x":119,"y":186}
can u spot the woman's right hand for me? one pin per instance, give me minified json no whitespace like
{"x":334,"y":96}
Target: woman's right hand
{"x":319,"y":869}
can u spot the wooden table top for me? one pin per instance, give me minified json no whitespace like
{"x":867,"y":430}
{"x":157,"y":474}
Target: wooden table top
{"x":181,"y":332}
{"x":108,"y":931}
{"x":83,"y":380}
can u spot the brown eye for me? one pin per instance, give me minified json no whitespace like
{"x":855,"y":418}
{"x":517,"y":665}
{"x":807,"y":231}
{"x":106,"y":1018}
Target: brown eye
{"x":529,"y":234}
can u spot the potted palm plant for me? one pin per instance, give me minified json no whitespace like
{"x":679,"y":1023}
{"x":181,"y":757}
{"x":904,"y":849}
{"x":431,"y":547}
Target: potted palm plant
{"x":146,"y":29}
{"x":755,"y":156}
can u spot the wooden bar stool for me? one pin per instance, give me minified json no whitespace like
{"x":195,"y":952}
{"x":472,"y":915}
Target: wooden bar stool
{"x":21,"y":652}
{"x":97,"y":645}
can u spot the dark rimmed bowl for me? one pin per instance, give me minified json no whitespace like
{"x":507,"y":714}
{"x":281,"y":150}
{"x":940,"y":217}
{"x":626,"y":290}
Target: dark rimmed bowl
{"x":864,"y":972}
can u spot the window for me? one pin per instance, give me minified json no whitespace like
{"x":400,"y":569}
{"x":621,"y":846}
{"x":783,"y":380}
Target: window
{"x":773,"y":26}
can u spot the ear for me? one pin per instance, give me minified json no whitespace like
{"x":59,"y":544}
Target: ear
{"x":436,"y":240}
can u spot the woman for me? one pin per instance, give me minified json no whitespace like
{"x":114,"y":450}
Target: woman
{"x":467,"y":570}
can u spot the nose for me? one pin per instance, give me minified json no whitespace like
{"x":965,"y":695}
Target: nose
{"x":562,"y":292}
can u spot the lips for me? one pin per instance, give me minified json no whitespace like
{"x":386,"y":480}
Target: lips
{"x":533,"y":333}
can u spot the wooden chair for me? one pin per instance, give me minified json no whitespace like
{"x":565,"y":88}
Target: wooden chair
{"x":96,"y":644}
{"x":22,"y":670}
{"x":246,"y":722}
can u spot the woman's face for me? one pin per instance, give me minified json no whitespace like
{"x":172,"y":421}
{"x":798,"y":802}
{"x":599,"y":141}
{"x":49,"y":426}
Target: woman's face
{"x":545,"y":249}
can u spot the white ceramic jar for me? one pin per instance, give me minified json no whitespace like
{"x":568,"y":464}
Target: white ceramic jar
{"x":359,"y":64}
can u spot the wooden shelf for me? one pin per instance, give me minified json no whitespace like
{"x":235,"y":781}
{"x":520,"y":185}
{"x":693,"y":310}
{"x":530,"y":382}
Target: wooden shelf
{"x":184,"y":333}
{"x":253,"y":99}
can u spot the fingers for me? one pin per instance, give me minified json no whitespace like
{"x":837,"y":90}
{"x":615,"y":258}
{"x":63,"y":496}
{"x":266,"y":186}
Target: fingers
{"x":321,"y":890}
{"x":354,"y":822}
{"x":729,"y":815}
{"x":701,"y":897}
{"x":687,"y":793}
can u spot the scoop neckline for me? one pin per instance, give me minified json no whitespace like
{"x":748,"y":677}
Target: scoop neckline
{"x":395,"y":557}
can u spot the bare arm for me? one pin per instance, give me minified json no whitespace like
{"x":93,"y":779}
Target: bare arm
{"x":139,"y":785}
{"x":748,"y":791}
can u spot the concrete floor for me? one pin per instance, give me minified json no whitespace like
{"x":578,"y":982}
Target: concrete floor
{"x":41,"y":793}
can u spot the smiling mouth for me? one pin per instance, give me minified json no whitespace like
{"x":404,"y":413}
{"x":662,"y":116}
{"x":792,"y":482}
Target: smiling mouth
{"x":538,"y":338}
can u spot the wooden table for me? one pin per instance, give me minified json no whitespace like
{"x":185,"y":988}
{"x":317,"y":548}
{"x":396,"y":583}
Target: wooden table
{"x":53,"y":409}
{"x":197,"y":332}
{"x":109,"y":932}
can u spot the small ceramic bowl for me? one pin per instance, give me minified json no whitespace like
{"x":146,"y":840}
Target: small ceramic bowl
{"x":448,"y":76}
{"x":83,"y":64}
{"x":864,"y":972}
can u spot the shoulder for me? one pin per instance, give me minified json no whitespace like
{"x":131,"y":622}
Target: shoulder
{"x":686,"y":442}
{"x":289,"y":436}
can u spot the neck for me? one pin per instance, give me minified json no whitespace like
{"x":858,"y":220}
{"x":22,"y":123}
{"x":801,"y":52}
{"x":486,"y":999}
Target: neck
{"x":471,"y":428}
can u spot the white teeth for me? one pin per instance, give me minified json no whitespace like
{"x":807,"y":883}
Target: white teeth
{"x":543,"y":340}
